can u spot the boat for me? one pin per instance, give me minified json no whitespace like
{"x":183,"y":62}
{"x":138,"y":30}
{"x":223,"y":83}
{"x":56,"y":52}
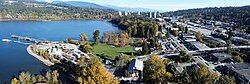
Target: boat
{"x":6,"y":40}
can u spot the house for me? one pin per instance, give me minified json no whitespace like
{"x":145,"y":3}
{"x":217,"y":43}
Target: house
{"x":240,"y":41}
{"x":135,"y":68}
{"x":138,"y":48}
{"x":221,"y":57}
{"x":241,"y":71}
{"x":198,"y":46}
{"x":177,"y":69}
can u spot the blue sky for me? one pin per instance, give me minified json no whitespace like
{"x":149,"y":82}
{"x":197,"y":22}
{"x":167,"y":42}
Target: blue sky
{"x":169,"y":5}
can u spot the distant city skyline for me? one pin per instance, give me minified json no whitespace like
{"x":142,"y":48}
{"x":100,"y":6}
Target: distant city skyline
{"x":167,"y":5}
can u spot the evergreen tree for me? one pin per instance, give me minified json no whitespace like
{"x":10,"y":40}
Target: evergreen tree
{"x":96,"y":36}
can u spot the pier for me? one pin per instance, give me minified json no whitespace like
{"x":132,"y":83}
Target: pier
{"x":25,"y":38}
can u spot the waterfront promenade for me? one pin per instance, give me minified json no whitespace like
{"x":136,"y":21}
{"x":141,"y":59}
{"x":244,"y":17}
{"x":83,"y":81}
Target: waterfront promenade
{"x":46,"y":62}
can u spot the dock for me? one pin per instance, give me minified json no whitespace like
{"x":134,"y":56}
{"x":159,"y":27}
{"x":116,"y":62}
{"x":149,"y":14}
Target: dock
{"x":25,"y":38}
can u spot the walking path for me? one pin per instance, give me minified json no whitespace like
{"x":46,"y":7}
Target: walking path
{"x":46,"y":62}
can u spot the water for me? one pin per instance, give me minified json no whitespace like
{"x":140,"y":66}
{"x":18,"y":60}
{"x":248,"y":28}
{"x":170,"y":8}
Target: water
{"x":14,"y":57}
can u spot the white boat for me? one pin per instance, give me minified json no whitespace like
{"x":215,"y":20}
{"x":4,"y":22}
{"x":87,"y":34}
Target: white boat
{"x":6,"y":40}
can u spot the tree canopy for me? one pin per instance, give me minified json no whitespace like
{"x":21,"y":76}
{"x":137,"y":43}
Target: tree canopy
{"x":154,"y":71}
{"x":95,"y":73}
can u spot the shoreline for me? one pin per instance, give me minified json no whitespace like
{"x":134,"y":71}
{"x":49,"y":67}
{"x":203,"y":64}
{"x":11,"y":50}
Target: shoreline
{"x":46,"y":62}
{"x":51,"y":20}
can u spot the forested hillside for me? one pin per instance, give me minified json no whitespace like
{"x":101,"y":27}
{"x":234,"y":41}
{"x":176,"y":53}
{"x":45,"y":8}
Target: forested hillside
{"x":32,"y":10}
{"x":239,"y":15}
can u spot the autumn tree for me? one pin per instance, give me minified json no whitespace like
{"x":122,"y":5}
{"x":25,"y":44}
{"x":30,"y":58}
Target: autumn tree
{"x":124,"y":38}
{"x":86,"y":48}
{"x":27,"y":78}
{"x":110,"y":38}
{"x":82,"y":61}
{"x":96,"y":36}
{"x":159,"y":36}
{"x":175,"y":33}
{"x":238,"y":59}
{"x":153,"y":29}
{"x":115,"y":39}
{"x":14,"y":81}
{"x":54,"y":77}
{"x":202,"y":75}
{"x":95,"y":73}
{"x":198,"y":36}
{"x":105,"y":37}
{"x":70,"y":40}
{"x":83,"y":37}
{"x":154,"y":71}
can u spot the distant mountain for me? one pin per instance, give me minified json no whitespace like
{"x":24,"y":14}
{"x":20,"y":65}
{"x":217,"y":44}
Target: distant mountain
{"x":80,"y":4}
{"x":21,"y":0}
{"x":33,"y":10}
{"x":131,"y":9}
{"x":93,"y":5}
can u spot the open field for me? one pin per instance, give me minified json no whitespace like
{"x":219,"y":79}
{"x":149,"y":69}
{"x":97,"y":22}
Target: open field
{"x":109,"y":51}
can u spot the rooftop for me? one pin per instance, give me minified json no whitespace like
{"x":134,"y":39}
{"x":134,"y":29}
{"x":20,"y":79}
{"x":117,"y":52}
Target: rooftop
{"x":135,"y":65}
{"x":241,"y":68}
{"x":199,"y":45}
{"x":221,"y":56}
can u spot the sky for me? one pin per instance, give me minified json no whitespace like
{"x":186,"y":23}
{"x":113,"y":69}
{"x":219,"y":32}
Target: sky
{"x":168,"y":5}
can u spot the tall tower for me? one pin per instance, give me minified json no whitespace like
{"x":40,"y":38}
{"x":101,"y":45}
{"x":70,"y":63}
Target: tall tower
{"x":139,"y":13}
{"x":126,"y":13}
{"x":120,"y":13}
{"x":150,"y":14}
{"x":155,"y":14}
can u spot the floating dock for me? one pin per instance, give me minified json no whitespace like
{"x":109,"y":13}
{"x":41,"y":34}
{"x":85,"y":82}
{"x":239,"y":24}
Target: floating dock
{"x":25,"y":38}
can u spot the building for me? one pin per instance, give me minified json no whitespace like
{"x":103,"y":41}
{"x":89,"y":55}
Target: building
{"x":241,"y":71}
{"x":126,"y":13}
{"x":198,"y":45}
{"x":240,"y":41}
{"x":150,"y":14}
{"x":120,"y":13}
{"x":135,"y":68}
{"x":221,"y":58}
{"x":155,"y":14}
{"x":178,"y":69}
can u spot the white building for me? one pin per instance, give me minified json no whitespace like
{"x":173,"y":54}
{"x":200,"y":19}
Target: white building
{"x":126,"y":13}
{"x":120,"y":13}
{"x":150,"y":14}
{"x":155,"y":14}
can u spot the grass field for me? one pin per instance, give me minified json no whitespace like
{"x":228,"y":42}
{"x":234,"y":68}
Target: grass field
{"x":109,"y":51}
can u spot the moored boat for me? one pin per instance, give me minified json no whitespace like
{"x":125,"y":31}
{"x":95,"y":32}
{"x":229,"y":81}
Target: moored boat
{"x":6,"y":40}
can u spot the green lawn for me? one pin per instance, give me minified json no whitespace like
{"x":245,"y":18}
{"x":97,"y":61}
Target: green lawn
{"x":111,"y":52}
